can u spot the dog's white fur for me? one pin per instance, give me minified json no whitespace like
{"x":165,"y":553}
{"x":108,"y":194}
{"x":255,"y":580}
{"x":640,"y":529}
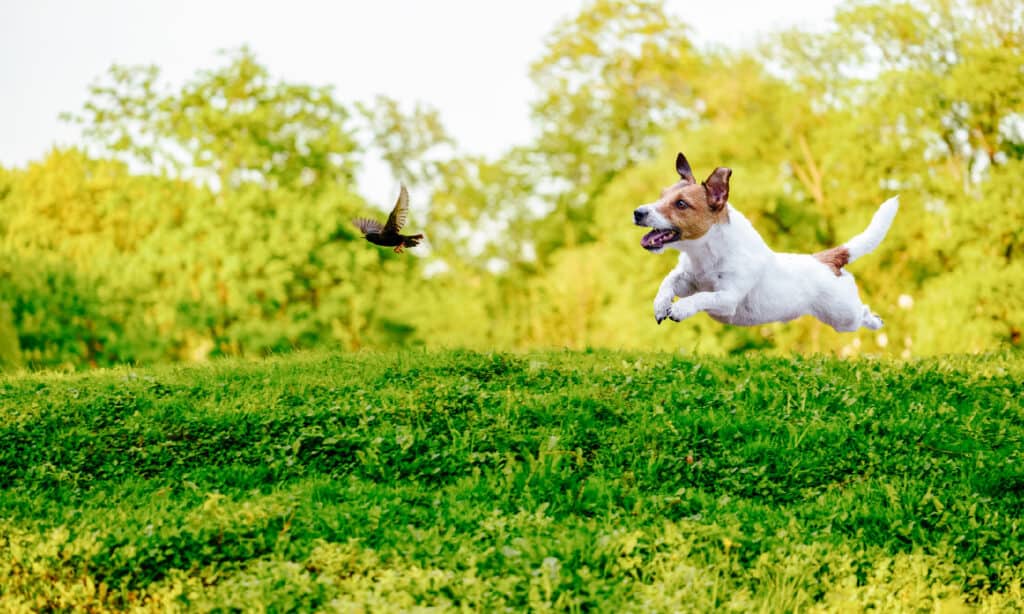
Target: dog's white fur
{"x":732,"y":274}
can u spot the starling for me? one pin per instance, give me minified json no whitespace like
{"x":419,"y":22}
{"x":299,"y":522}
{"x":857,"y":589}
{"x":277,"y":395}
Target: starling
{"x":388,"y":235}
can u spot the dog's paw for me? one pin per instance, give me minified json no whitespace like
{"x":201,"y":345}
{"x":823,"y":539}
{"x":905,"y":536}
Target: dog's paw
{"x":662,"y":306}
{"x":681,"y":310}
{"x":871,"y":320}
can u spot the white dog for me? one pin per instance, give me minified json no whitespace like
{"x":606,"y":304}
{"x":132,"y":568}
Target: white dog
{"x":727,"y":270}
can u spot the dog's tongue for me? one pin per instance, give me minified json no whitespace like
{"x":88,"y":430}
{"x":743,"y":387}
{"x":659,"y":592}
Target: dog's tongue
{"x":656,"y":238}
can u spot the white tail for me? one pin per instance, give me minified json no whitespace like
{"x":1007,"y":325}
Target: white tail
{"x":867,"y":241}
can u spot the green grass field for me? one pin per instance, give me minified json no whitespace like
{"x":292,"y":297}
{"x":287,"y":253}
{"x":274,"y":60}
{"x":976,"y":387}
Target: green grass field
{"x":568,"y":481}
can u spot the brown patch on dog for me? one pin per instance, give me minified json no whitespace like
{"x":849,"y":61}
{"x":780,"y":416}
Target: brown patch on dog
{"x":717,"y":187}
{"x":694,"y":208}
{"x":835,"y":258}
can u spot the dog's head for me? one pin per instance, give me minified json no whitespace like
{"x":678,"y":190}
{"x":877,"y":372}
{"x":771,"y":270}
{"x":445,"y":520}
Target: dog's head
{"x":686,"y":210}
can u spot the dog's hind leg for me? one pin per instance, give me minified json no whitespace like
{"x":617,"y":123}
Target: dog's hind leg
{"x":870,"y":319}
{"x":841,"y":308}
{"x":843,"y":322}
{"x":848,"y":319}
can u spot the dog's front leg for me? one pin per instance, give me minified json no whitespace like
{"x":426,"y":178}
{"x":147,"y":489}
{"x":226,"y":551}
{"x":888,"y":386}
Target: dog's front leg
{"x":663,"y":300}
{"x":719,"y":304}
{"x":676,"y":283}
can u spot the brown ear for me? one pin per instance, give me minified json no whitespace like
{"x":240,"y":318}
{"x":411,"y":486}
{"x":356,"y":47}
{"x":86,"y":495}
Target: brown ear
{"x":683,"y":168}
{"x":717,"y":187}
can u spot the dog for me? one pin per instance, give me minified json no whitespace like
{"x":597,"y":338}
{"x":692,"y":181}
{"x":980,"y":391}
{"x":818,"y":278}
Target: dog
{"x":728,"y":271}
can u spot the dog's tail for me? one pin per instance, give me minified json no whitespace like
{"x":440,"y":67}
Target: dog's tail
{"x":867,"y":241}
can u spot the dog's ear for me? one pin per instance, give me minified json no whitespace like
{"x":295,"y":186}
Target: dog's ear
{"x":683,"y":168}
{"x":717,"y":187}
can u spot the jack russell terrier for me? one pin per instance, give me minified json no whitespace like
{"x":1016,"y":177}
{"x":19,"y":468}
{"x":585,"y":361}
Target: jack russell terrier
{"x":726,"y":269}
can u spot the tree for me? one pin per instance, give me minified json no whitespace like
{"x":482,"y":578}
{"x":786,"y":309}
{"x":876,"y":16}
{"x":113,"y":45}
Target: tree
{"x":612,"y":80}
{"x":412,"y":143}
{"x":156,"y":266}
{"x":231,"y":125}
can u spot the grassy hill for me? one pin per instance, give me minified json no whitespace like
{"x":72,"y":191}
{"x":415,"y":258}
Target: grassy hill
{"x":571,"y":481}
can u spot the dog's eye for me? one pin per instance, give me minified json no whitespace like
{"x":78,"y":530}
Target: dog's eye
{"x":682,"y":204}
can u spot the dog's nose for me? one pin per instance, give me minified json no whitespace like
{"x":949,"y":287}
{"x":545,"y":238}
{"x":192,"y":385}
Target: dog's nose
{"x":639,"y":215}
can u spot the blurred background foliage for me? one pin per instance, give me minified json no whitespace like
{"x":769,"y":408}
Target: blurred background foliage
{"x":213,"y":218}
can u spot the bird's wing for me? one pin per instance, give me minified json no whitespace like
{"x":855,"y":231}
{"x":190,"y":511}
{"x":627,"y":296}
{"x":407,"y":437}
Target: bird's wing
{"x":400,"y":213}
{"x":368,"y":226}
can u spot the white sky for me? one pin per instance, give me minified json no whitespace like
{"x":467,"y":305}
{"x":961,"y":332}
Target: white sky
{"x":468,"y":58}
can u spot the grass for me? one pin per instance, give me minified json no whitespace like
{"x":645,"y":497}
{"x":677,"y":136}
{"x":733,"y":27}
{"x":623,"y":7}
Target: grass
{"x":569,"y":481}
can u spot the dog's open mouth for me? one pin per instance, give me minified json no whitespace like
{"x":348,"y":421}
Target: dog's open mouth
{"x":659,"y":237}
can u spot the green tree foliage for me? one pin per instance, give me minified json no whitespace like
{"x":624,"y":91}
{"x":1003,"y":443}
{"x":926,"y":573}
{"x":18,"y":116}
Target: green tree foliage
{"x":56,"y":316}
{"x":235,"y":122}
{"x":10,"y":347}
{"x":130,"y":266}
{"x":611,"y":80}
{"x":412,"y":143}
{"x":212,"y":218}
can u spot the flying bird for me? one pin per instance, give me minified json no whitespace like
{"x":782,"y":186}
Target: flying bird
{"x":388,"y":235}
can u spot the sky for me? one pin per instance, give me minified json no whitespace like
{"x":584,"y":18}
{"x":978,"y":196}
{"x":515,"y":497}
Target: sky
{"x":468,"y":58}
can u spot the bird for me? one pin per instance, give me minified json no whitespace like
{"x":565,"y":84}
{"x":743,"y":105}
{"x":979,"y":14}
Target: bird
{"x":388,"y":235}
